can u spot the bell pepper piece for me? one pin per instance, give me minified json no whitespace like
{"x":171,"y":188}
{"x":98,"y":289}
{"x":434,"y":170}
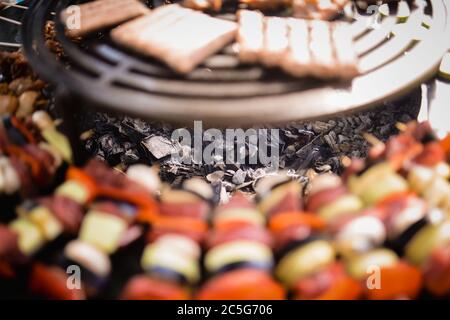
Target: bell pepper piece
{"x":145,"y":288}
{"x":286,"y":219}
{"x":51,"y":282}
{"x":344,"y":288}
{"x":400,"y":280}
{"x":243,"y":284}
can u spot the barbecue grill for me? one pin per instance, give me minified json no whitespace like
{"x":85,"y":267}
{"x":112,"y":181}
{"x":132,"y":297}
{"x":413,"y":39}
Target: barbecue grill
{"x":97,"y":74}
{"x":223,"y":92}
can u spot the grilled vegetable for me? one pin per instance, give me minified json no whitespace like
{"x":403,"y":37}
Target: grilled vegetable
{"x":143,"y":287}
{"x":376,"y":183}
{"x":237,"y":251}
{"x":360,"y":235}
{"x":31,"y":238}
{"x":157,"y":258}
{"x":399,"y":281}
{"x":421,"y":246}
{"x":359,"y":266}
{"x":304,"y":261}
{"x":245,"y":216}
{"x":89,"y":257}
{"x":103,"y":231}
{"x":51,"y":283}
{"x":242,"y":284}
{"x":50,"y":226}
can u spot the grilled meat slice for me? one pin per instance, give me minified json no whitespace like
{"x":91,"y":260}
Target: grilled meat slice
{"x":187,"y":39}
{"x":298,"y":58}
{"x":323,"y":62}
{"x":250,"y":36}
{"x":275,"y":41}
{"x":92,"y":16}
{"x":345,"y":54}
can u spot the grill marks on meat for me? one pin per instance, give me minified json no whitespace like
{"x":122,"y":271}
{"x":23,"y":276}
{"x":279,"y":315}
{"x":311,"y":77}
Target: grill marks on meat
{"x":100,"y":14}
{"x":182,"y":38}
{"x":298,"y":61}
{"x":275,"y":41}
{"x":344,"y":51}
{"x":323,"y":62}
{"x":250,"y":35}
{"x":300,"y":47}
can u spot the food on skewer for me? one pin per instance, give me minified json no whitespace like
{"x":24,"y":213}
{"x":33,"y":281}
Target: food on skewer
{"x":239,"y":257}
{"x":171,"y":259}
{"x":32,"y":154}
{"x":182,"y":44}
{"x":95,"y":15}
{"x":354,"y":228}
{"x":330,"y":199}
{"x":384,"y":276}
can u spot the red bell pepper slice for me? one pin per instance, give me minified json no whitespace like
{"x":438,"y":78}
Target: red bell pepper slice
{"x":145,"y":288}
{"x":398,"y":281}
{"x":284,"y":220}
{"x":51,"y":282}
{"x":242,"y":284}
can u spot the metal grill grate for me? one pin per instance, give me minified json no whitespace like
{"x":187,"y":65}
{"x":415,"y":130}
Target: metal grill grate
{"x":222,"y":91}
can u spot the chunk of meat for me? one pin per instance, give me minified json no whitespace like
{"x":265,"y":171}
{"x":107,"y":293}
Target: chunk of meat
{"x":298,"y":58}
{"x":275,"y":41}
{"x":250,"y":36}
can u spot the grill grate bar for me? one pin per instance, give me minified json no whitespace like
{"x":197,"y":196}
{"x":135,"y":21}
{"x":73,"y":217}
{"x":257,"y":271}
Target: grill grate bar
{"x":222,"y":89}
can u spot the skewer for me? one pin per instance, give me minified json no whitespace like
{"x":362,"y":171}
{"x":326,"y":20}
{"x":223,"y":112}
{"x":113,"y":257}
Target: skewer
{"x":18,"y":6}
{"x":12,"y":5}
{"x":10,"y":45}
{"x":11,"y":20}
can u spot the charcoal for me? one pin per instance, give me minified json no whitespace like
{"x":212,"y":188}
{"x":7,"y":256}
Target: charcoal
{"x":159,"y":147}
{"x":239,"y":177}
{"x":306,"y":148}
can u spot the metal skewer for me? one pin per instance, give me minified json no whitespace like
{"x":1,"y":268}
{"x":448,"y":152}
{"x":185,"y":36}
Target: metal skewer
{"x":10,"y":45}
{"x":11,"y":20}
{"x":12,"y":5}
